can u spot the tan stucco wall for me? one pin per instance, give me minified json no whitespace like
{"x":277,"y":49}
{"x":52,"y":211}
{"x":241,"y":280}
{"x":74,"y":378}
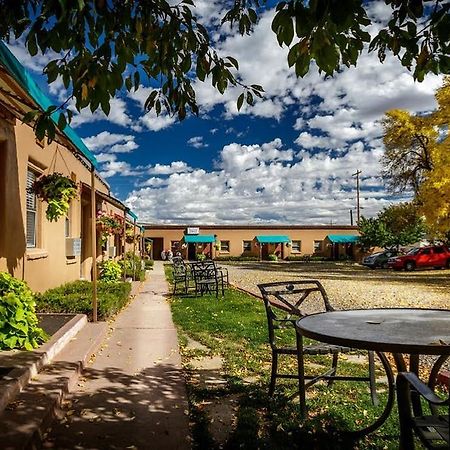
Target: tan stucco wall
{"x":237,"y":235}
{"x":46,"y":265}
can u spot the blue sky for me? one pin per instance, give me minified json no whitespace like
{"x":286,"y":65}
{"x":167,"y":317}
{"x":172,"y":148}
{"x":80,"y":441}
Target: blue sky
{"x":288,"y":159}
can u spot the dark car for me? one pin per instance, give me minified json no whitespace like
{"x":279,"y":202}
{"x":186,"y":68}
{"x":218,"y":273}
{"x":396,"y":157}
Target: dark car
{"x":379,"y":259}
{"x":430,"y":256}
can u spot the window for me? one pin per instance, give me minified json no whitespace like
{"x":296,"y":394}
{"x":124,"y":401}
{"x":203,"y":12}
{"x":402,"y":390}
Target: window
{"x":426,"y":251}
{"x":317,"y":246}
{"x":439,"y":250}
{"x":247,"y":246}
{"x":296,"y":246}
{"x":175,"y":247}
{"x":31,"y":210}
{"x":224,"y":246}
{"x":67,"y":227}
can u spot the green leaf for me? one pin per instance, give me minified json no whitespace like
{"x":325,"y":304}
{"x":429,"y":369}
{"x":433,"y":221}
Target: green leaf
{"x":240,"y":101}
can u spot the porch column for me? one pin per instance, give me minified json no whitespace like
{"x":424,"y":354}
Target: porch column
{"x":93,"y":246}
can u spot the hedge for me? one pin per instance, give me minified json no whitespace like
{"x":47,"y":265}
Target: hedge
{"x":76,"y":297}
{"x":236,"y":258}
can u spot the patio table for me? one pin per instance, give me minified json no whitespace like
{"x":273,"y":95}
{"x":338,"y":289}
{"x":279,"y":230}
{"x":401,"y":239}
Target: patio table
{"x":398,"y":331}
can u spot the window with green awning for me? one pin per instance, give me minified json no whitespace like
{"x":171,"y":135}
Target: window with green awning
{"x":199,"y":238}
{"x":273,"y":239}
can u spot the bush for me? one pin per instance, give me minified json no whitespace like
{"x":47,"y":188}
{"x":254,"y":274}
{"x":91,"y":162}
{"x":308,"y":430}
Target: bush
{"x":110,"y":271}
{"x":76,"y":297}
{"x":236,"y":258}
{"x":149,"y":264}
{"x":200,"y":256}
{"x":272,"y":257}
{"x":18,"y":321}
{"x":132,"y":267}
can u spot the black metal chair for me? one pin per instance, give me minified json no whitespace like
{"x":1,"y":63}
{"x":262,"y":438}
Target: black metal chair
{"x":432,"y":429}
{"x":287,"y":301}
{"x":208,"y":278}
{"x":181,"y":274}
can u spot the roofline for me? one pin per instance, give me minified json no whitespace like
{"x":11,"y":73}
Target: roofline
{"x":250,"y":227}
{"x":14,"y":68}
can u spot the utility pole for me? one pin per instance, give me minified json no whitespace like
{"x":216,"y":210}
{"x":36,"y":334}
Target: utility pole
{"x":351,"y":217}
{"x":358,"y":214}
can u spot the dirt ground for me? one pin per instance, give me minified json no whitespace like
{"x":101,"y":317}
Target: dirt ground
{"x":352,"y":285}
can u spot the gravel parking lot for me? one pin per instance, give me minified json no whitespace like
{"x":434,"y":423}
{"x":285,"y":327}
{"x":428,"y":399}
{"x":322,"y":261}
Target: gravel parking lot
{"x":352,"y":285}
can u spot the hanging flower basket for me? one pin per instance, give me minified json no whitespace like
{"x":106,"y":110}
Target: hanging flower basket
{"x":108,"y":225}
{"x":57,"y":190}
{"x":130,"y":237}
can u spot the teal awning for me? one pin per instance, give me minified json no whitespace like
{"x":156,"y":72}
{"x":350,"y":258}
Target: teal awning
{"x":199,"y":238}
{"x":273,"y":239}
{"x":26,"y":82}
{"x":343,"y":238}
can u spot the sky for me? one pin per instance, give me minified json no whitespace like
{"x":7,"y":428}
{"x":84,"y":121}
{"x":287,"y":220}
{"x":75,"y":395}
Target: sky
{"x":288,"y":159}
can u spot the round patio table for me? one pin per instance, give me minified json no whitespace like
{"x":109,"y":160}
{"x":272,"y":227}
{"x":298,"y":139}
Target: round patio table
{"x":399,"y":331}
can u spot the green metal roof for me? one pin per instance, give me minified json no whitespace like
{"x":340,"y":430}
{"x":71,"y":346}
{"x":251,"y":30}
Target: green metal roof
{"x":199,"y":238}
{"x":273,"y":239}
{"x":26,"y":82}
{"x":343,"y":238}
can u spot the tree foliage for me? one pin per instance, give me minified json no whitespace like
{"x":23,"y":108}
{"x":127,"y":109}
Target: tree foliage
{"x":417,"y":156}
{"x":106,"y":45}
{"x":396,"y":225}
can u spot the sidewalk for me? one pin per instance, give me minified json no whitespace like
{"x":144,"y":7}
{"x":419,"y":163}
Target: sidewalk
{"x":133,"y":394}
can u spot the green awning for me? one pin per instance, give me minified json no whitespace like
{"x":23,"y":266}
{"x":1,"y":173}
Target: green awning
{"x":199,"y":238}
{"x":273,"y":239}
{"x":26,"y":82}
{"x":343,"y":238}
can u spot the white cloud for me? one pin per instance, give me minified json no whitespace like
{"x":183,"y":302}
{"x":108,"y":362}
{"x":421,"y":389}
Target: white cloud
{"x":265,"y":183}
{"x":174,"y":167}
{"x":197,"y":142}
{"x":111,"y":167}
{"x":111,"y":142}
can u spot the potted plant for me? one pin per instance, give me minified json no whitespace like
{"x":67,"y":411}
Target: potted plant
{"x":130,"y":237}
{"x":57,"y":190}
{"x":108,"y":224}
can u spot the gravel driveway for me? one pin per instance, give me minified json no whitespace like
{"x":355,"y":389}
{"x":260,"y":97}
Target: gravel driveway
{"x":351,"y":285}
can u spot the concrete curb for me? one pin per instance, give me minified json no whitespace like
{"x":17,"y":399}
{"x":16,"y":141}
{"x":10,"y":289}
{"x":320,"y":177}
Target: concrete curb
{"x":27,"y":365}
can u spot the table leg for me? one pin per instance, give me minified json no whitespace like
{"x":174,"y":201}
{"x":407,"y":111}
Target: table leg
{"x":301,"y":375}
{"x":415,"y":398}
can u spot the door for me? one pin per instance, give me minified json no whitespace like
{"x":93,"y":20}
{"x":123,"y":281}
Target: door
{"x":192,"y":251}
{"x":264,"y":251}
{"x":424,"y":258}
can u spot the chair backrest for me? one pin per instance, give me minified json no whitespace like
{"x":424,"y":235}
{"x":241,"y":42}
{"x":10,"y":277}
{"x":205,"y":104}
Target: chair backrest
{"x":283,"y":301}
{"x":179,"y":266}
{"x":204,"y":270}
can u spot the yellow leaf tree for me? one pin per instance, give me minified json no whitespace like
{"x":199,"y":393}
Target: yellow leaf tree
{"x":417,"y":158}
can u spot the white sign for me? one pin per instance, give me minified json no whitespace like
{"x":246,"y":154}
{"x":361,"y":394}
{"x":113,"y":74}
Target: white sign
{"x":193,"y":230}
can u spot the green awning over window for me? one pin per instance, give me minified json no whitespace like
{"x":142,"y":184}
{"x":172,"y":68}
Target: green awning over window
{"x":26,"y":82}
{"x":199,"y":238}
{"x":273,"y":239}
{"x":343,"y":238}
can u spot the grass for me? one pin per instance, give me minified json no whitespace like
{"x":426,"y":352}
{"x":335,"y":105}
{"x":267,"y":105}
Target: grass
{"x":236,"y":329}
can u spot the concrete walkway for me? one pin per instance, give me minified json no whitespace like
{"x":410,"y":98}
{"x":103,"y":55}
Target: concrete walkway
{"x":133,"y":394}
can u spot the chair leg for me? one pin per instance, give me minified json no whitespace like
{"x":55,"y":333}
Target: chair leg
{"x":404,"y":413}
{"x":273,"y":374}
{"x":372,"y":380}
{"x":301,"y":375}
{"x":334,"y":368}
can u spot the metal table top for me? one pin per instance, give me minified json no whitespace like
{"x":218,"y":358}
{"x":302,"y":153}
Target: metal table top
{"x":403,"y":330}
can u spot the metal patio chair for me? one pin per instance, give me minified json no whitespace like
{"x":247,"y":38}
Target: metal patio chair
{"x":433,"y":429}
{"x":181,"y":274}
{"x":285,"y":303}
{"x":208,"y":278}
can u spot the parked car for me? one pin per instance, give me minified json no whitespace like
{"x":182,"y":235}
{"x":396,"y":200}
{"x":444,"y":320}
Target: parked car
{"x":430,"y":256}
{"x":379,"y":259}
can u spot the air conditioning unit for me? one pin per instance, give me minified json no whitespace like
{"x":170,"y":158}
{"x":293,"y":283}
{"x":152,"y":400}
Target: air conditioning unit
{"x":73,"y":247}
{"x":111,"y":252}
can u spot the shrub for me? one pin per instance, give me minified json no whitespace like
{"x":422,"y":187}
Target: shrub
{"x":236,"y":258}
{"x":149,"y":264}
{"x":76,"y":297}
{"x":272,"y":257}
{"x":132,"y":267}
{"x":110,"y":271}
{"x":18,"y":321}
{"x":200,"y":257}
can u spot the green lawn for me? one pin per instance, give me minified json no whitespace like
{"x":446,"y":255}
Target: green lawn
{"x":236,"y":329}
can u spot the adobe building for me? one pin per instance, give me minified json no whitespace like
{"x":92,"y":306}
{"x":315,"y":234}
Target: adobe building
{"x":43,"y":253}
{"x":260,"y":241}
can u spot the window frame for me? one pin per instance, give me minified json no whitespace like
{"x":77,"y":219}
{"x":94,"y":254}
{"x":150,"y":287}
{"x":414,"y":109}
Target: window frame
{"x":31,"y":198}
{"x":317,"y":245}
{"x":249,"y":246}
{"x":227,"y":249}
{"x":295,"y":250}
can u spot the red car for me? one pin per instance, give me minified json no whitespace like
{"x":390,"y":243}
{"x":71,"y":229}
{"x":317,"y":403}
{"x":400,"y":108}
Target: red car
{"x":432,"y":256}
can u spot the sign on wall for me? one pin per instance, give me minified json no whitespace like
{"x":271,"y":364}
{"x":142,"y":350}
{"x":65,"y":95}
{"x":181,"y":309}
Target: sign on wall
{"x":192,"y":230}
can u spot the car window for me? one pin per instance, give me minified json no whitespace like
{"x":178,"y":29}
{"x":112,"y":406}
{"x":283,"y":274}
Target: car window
{"x":439,"y":250}
{"x":413,"y":251}
{"x":426,"y":251}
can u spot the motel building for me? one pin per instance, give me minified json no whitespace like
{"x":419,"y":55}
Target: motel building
{"x":257,"y":241}
{"x":49,"y":253}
